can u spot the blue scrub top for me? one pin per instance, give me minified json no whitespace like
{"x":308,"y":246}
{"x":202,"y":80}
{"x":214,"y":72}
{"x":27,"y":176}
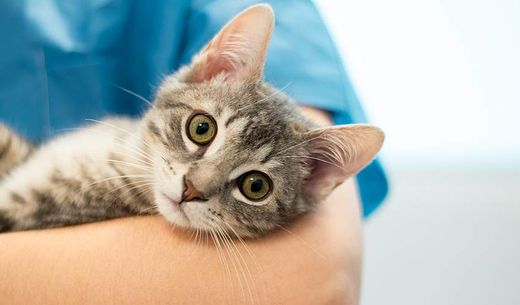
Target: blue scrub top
{"x":62,"y":62}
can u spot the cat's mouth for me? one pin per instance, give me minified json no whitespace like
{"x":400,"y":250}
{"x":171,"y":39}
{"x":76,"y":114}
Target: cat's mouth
{"x":176,"y":207}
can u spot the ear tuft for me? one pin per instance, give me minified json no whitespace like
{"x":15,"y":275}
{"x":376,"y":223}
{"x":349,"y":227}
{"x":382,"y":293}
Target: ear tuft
{"x":337,"y":153}
{"x":238,"y":51}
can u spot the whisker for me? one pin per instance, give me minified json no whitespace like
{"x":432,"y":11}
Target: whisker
{"x":242,"y":264}
{"x":303,"y":241}
{"x":314,"y":158}
{"x":141,"y":166}
{"x":248,"y":250}
{"x":148,"y":182}
{"x":297,"y":144}
{"x":232,"y":261}
{"x":120,"y":129}
{"x":153,"y":207}
{"x":120,"y":141}
{"x":116,"y":177}
{"x":222,"y":260}
{"x":134,"y":94}
{"x":133,"y":188}
{"x":149,"y":160}
{"x":276,"y":92}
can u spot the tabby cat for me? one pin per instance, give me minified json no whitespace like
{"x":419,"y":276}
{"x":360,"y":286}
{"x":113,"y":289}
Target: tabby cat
{"x":218,"y":148}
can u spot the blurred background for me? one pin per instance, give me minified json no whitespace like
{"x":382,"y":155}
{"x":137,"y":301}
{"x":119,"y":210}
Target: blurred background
{"x":442,"y":78}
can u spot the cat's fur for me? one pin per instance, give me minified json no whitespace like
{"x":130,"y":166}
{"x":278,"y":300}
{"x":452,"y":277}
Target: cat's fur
{"x":120,"y":167}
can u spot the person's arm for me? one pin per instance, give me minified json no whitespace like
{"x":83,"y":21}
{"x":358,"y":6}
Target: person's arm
{"x":142,"y":260}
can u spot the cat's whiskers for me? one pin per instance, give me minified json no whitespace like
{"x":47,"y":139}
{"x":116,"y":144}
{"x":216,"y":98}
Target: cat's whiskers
{"x":252,"y":256}
{"x":197,"y":236}
{"x":234,"y":275}
{"x":147,"y":158}
{"x":232,"y":260}
{"x":296,"y":145}
{"x":137,"y":181}
{"x":140,"y":186}
{"x":222,"y":259}
{"x":248,"y":250}
{"x":133,"y":148}
{"x":134,"y":94}
{"x":172,"y":228}
{"x":304,"y":242}
{"x":152,"y":207}
{"x":314,"y":158}
{"x":197,"y":240}
{"x":276,"y":92}
{"x":193,"y":237}
{"x":140,"y":166}
{"x":241,"y":263}
{"x":135,"y":157}
{"x":133,"y":183}
{"x":117,"y":177}
{"x":126,"y":131}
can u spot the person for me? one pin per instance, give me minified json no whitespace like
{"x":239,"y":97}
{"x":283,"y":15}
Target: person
{"x":64,"y":62}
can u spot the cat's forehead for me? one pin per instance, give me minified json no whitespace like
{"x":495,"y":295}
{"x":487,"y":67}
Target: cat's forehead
{"x":241,"y":99}
{"x":254,"y":116}
{"x":220,"y":97}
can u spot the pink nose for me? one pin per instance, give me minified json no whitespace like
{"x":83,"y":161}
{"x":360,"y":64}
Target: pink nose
{"x":190,"y":193}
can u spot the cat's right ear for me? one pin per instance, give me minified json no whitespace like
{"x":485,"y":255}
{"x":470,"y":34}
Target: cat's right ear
{"x":238,"y":51}
{"x":337,"y":153}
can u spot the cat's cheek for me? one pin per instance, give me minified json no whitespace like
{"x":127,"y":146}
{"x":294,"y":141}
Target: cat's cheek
{"x":168,"y":184}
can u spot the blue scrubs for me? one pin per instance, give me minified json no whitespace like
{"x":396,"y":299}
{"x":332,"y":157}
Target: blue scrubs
{"x":62,"y":62}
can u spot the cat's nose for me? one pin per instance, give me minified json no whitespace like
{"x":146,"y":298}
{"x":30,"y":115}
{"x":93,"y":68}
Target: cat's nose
{"x":190,"y":193}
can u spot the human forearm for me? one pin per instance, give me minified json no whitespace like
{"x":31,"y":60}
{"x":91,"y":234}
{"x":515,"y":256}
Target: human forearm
{"x":142,"y":260}
{"x":315,"y":260}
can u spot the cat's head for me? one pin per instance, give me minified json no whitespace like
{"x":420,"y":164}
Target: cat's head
{"x":233,"y":154}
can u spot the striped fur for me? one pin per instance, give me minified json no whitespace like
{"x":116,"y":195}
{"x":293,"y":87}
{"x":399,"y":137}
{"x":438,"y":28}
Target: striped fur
{"x":13,"y":150}
{"x":121,"y":166}
{"x":74,"y":179}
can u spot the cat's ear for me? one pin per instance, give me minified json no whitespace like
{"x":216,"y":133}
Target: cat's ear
{"x":337,"y":153}
{"x":238,"y":51}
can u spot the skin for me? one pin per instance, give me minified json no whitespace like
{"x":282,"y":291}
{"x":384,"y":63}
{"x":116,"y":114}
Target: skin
{"x":143,"y":260}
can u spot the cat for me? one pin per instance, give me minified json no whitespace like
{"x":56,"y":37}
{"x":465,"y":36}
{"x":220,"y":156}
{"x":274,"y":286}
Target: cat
{"x":218,"y":149}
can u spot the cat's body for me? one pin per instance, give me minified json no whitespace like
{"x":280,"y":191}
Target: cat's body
{"x":68,"y":180}
{"x":102,"y":171}
{"x":218,"y":150}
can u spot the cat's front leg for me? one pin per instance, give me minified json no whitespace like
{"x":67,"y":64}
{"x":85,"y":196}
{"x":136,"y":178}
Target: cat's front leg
{"x":58,"y":204}
{"x":6,"y":222}
{"x":16,"y":211}
{"x":34,"y":208}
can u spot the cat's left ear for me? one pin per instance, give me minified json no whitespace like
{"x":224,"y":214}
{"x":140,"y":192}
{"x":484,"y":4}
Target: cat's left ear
{"x":337,"y":153}
{"x":238,"y":51}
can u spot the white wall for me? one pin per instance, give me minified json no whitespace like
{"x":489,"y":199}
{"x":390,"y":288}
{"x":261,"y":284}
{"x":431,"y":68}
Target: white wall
{"x":441,"y":77}
{"x":443,"y":80}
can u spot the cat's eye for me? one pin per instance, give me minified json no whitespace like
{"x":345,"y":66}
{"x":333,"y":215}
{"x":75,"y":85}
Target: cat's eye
{"x":254,"y":185}
{"x":201,"y":128}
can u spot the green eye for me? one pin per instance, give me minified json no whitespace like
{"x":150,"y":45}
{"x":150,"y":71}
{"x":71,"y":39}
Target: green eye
{"x":201,"y":128}
{"x":254,"y":185}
